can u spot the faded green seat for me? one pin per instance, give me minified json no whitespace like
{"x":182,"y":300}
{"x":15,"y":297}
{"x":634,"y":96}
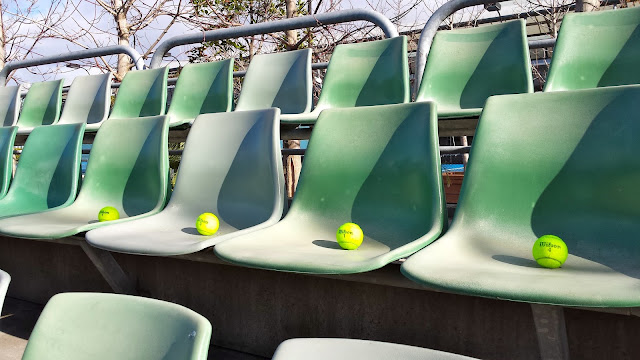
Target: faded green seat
{"x":377,"y":166}
{"x":568,"y":173}
{"x":466,"y":66}
{"x":88,"y":101}
{"x":7,"y":139}
{"x":80,"y":326}
{"x":353,"y":349}
{"x":5,"y":279}
{"x":48,"y":171}
{"x":596,"y":49}
{"x":281,"y":80}
{"x":9,"y":104}
{"x":362,"y":74}
{"x":141,"y":93}
{"x":201,"y":89}
{"x":41,"y":106}
{"x":127,"y":169}
{"x":242,"y":184}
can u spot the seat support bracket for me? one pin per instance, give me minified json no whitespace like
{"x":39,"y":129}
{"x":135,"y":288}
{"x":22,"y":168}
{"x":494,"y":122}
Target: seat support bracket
{"x":551,"y":332}
{"x":110,"y":270}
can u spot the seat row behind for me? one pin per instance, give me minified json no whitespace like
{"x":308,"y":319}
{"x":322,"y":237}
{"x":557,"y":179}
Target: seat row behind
{"x":464,"y":68}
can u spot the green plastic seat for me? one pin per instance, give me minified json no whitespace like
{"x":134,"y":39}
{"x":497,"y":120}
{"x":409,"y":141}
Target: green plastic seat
{"x":243,"y":184}
{"x":127,"y":169}
{"x":466,"y":66}
{"x":376,"y":166}
{"x":5,"y":279}
{"x":596,"y":49}
{"x":567,"y":173}
{"x":41,"y":106}
{"x":202,"y":89}
{"x":80,"y":326}
{"x":362,"y":74}
{"x":141,"y":93}
{"x":9,"y":104}
{"x":281,"y":80}
{"x":353,"y":349}
{"x":48,"y":171}
{"x":7,"y":139}
{"x":88,"y":101}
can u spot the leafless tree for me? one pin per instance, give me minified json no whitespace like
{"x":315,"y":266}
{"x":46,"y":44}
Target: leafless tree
{"x":129,"y":18}
{"x":26,"y":23}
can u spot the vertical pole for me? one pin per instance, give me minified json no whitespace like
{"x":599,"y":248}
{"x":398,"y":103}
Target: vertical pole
{"x":293,"y":163}
{"x":587,"y":5}
{"x":465,"y":156}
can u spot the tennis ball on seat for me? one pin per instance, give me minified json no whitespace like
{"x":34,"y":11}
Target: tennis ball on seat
{"x":550,"y":251}
{"x":207,"y":224}
{"x":108,"y":213}
{"x":349,"y":236}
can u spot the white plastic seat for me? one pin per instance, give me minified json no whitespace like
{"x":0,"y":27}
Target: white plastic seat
{"x":88,"y":101}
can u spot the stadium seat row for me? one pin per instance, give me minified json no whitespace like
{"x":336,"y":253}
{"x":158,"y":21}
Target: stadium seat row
{"x":529,"y":175}
{"x":464,"y":68}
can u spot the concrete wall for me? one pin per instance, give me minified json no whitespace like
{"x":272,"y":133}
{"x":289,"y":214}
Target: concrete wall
{"x":254,"y":310}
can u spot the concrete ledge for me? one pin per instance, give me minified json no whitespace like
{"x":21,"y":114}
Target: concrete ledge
{"x":254,"y":310}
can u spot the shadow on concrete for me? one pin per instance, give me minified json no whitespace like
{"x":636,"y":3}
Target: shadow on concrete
{"x":19,"y":317}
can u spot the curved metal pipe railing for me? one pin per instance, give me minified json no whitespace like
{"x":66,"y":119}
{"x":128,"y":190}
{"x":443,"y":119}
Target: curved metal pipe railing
{"x":74,"y":55}
{"x":432,"y":25}
{"x":299,"y":22}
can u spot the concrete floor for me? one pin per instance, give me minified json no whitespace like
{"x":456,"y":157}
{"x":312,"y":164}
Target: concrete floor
{"x":17,"y":321}
{"x":19,"y":317}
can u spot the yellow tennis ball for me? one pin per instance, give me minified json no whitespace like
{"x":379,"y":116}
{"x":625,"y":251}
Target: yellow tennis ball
{"x":550,"y":251}
{"x":207,"y":224}
{"x":349,"y":236}
{"x":108,"y":213}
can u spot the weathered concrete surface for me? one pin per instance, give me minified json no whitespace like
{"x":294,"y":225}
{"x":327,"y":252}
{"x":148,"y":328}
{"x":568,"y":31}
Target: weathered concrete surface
{"x":254,"y":310}
{"x":16,"y":322}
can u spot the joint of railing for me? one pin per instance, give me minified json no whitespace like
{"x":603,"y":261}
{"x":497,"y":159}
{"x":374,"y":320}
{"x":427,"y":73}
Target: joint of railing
{"x":299,"y":22}
{"x":431,"y":27}
{"x":542,"y":43}
{"x":74,"y":55}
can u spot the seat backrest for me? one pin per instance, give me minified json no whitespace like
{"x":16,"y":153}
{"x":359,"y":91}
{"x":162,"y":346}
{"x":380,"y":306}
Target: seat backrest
{"x":378,"y":166}
{"x":567,"y":173}
{"x":48,"y":169}
{"x":466,"y":66}
{"x":128,"y":166}
{"x":9,"y":104}
{"x":5,"y":279}
{"x":202,"y":89}
{"x":365,"y":74}
{"x":244,"y":182}
{"x":88,"y":100}
{"x":281,"y":80}
{"x":141,"y":93}
{"x":42,"y":104}
{"x":7,"y":139}
{"x":109,"y":326}
{"x":596,"y":49}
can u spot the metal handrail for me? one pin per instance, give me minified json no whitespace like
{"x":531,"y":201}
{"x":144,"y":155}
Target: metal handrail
{"x":276,"y":26}
{"x":444,"y":150}
{"x":74,"y":55}
{"x":432,"y":25}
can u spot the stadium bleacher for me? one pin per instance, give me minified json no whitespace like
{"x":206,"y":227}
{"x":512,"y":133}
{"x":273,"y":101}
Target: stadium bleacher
{"x":541,"y":163}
